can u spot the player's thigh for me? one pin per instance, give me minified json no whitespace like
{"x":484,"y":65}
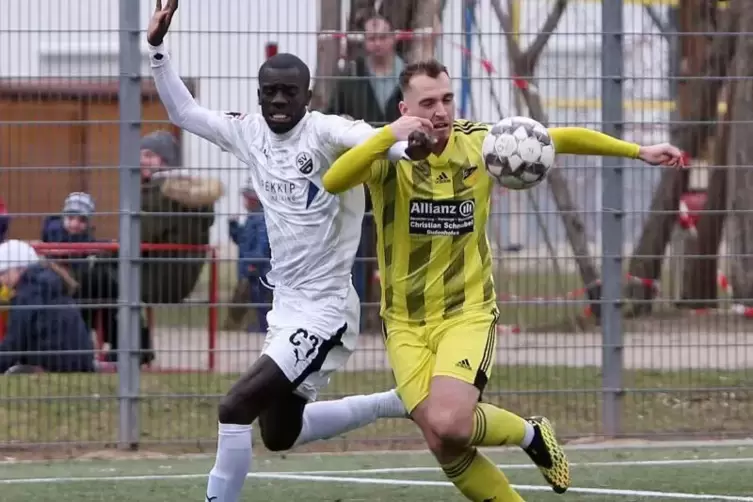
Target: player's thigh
{"x":411,"y":361}
{"x":466,"y":348}
{"x":309,"y":344}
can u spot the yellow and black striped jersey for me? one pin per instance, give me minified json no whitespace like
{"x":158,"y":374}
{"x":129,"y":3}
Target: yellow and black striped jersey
{"x":433,"y":251}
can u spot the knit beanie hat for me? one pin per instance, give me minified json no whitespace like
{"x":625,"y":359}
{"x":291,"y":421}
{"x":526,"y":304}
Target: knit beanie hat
{"x":163,"y":144}
{"x":80,"y":204}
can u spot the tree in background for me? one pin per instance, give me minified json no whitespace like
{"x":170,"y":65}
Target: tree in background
{"x":328,"y":53}
{"x":739,"y":162}
{"x":694,"y":125}
{"x":523,"y":66}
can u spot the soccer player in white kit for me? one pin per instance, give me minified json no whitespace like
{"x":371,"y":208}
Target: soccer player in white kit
{"x":314,"y":321}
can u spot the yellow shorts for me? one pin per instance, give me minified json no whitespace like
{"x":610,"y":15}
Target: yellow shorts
{"x":463,"y":347}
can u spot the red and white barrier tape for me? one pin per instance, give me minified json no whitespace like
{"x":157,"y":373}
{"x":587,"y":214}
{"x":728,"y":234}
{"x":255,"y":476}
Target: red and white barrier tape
{"x":685,"y":219}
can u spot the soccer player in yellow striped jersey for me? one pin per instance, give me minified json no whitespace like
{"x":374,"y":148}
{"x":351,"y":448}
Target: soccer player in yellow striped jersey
{"x":438,"y":299}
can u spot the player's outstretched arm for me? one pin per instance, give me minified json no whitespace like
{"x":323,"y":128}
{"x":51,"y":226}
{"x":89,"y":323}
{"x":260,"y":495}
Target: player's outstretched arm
{"x":582,"y":141}
{"x":224,"y":130}
{"x":353,"y":167}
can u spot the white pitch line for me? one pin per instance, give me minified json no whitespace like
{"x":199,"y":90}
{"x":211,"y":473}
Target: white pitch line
{"x":379,"y":481}
{"x":513,"y":467}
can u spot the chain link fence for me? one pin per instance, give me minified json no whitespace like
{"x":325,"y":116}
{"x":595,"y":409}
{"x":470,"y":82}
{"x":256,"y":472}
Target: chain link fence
{"x":167,"y":283}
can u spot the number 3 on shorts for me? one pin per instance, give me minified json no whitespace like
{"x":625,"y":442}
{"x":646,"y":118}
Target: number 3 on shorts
{"x":305,"y":346}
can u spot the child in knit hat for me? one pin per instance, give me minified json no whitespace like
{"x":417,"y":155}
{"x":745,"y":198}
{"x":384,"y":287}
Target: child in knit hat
{"x":73,"y":224}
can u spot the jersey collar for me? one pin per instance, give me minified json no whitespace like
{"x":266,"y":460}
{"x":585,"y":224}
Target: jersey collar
{"x":444,"y":157}
{"x":291,"y":133}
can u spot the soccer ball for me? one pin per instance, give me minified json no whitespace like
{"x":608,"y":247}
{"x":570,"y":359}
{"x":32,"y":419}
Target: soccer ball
{"x":518,"y":153}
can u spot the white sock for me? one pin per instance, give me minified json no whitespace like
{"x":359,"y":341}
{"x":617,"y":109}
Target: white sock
{"x":325,"y":419}
{"x":232,"y":464}
{"x":528,"y":438}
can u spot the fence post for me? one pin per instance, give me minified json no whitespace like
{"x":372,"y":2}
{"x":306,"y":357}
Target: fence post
{"x":129,"y":231}
{"x":612,"y":217}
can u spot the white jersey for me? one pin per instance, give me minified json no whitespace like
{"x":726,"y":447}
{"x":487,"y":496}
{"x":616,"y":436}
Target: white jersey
{"x":313,"y":234}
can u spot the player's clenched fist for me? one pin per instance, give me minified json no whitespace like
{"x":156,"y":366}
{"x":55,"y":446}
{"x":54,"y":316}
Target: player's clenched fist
{"x":405,"y":125}
{"x":160,"y":22}
{"x":663,"y":154}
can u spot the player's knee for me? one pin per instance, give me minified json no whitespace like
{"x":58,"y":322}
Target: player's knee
{"x":451,"y":426}
{"x":232,"y":410}
{"x":277,"y":438}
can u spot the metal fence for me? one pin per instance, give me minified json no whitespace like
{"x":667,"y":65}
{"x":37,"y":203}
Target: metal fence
{"x":76,"y":100}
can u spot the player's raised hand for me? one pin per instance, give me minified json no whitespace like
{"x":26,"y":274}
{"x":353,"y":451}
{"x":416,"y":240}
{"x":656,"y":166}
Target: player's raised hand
{"x":420,"y":145}
{"x":160,"y":22}
{"x":405,"y":125}
{"x":663,"y":154}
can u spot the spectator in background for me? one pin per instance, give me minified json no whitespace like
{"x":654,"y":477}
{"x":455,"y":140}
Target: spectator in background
{"x":5,"y":292}
{"x":97,"y":278}
{"x":253,"y":264}
{"x":178,"y":207}
{"x":4,"y":221}
{"x":47,"y":334}
{"x":371,"y":93}
{"x":420,"y":17}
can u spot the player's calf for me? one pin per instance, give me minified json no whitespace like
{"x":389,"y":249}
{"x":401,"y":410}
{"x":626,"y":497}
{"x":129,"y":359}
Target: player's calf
{"x":255,"y":391}
{"x":281,"y":422}
{"x":446,"y":418}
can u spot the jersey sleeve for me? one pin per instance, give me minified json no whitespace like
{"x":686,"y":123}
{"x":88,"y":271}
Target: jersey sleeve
{"x":342,"y":134}
{"x":226,"y":130}
{"x":379,"y":170}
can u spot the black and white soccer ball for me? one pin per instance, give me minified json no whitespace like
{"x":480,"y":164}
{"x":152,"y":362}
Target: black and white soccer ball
{"x":518,"y":153}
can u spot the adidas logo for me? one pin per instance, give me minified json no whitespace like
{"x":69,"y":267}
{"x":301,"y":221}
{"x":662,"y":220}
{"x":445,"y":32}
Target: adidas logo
{"x":442,"y":178}
{"x":465,"y":364}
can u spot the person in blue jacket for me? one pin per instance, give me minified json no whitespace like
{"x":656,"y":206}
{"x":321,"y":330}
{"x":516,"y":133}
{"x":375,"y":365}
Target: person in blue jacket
{"x":45,"y":328}
{"x":253,"y":263}
{"x":97,"y":278}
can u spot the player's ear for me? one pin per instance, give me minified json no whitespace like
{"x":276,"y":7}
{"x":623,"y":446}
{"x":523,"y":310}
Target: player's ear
{"x":309,"y":95}
{"x":258,"y":96}
{"x":402,"y":107}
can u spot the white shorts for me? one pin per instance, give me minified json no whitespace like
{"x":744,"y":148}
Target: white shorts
{"x":310,"y":339}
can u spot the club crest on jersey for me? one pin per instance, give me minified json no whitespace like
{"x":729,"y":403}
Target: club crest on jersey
{"x":468,"y":171}
{"x":304,"y":162}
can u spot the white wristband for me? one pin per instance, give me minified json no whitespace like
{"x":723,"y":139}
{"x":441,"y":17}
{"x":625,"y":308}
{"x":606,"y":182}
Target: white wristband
{"x":158,"y":55}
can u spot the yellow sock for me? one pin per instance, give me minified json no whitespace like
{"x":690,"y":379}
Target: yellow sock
{"x":479,"y":479}
{"x":494,"y":426}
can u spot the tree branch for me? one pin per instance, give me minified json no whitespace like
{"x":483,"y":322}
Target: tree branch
{"x":523,"y":65}
{"x":656,"y":19}
{"x":513,"y":47}
{"x":524,"y":62}
{"x":533,"y":53}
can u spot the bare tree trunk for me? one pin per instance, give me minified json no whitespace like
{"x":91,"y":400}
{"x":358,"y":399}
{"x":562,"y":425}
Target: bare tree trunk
{"x":328,"y":53}
{"x":699,"y":285}
{"x":523,"y":64}
{"x":698,"y":109}
{"x":740,"y":175}
{"x":426,"y":26}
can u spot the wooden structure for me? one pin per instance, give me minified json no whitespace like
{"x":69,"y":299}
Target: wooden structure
{"x":59,"y":136}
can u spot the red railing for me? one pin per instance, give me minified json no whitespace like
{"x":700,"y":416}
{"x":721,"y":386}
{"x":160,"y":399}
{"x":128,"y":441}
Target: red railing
{"x":52,"y":249}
